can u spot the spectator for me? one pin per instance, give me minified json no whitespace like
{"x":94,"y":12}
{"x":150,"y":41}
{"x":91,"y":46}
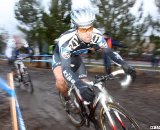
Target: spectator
{"x":155,"y":59}
{"x":110,"y":43}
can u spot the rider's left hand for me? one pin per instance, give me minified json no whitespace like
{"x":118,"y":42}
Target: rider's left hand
{"x":129,"y":70}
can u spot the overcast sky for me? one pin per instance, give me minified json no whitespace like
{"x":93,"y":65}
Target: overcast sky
{"x":8,"y":21}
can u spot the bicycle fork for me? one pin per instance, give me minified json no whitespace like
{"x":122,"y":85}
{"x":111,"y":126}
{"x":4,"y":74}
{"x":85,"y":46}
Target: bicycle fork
{"x":104,"y":99}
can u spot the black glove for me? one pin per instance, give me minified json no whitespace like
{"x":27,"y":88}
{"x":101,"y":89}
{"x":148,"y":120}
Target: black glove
{"x":86,"y":93}
{"x":129,"y":70}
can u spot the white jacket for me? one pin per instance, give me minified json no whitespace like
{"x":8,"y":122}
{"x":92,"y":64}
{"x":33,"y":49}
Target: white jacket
{"x":11,"y":46}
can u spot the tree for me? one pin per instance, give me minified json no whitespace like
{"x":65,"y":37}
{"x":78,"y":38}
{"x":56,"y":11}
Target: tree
{"x":39,"y":26}
{"x":58,"y":20}
{"x":29,"y":15}
{"x":1,"y":43}
{"x":157,"y":24}
{"x":116,"y":18}
{"x":155,"y":40}
{"x":3,"y":37}
{"x":157,"y":2}
{"x":54,"y":23}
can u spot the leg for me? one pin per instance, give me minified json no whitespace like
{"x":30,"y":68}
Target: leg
{"x":11,"y":64}
{"x":107,"y":63}
{"x":61,"y":84}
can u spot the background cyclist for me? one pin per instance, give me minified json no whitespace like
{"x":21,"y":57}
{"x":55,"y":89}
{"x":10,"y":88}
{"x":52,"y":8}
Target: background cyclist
{"x":13,"y":46}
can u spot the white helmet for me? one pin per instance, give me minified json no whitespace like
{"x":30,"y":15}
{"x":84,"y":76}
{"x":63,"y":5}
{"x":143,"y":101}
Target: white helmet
{"x":82,"y":17}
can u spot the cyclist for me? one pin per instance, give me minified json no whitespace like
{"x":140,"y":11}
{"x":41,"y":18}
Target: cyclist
{"x":68,"y":67}
{"x":14,"y":44}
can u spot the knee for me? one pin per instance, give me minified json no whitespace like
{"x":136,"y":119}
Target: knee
{"x":62,"y":87}
{"x":60,"y":82}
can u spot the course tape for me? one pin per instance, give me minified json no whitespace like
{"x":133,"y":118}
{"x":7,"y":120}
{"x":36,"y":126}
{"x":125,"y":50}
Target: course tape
{"x":33,"y":55}
{"x":45,"y":60}
{"x":19,"y":115}
{"x":49,"y":60}
{"x":6,"y":89}
{"x":12,"y":93}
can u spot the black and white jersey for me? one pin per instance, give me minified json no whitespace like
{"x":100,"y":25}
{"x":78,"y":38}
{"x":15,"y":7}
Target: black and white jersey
{"x":70,"y":47}
{"x":69,"y":43}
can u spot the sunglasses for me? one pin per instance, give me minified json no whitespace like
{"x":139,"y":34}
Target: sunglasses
{"x":84,"y":30}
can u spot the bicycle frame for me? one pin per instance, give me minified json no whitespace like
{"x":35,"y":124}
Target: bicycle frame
{"x":102,"y":97}
{"x":20,"y":66}
{"x":82,"y":105}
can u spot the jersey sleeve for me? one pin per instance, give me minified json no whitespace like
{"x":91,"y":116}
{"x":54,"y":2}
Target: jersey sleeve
{"x":69,"y":75}
{"x":65,"y":49}
{"x":10,"y":45}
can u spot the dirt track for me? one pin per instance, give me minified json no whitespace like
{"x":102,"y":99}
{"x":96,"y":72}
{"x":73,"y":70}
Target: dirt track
{"x":43,"y":110}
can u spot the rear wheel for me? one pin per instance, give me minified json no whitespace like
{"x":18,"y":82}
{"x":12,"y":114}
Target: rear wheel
{"x":74,"y":114}
{"x":125,"y":122}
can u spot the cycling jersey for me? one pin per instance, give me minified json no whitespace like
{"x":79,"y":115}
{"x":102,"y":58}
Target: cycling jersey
{"x":11,"y":47}
{"x":69,"y":49}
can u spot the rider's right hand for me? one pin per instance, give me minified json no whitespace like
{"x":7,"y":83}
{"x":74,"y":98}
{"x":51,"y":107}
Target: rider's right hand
{"x":86,"y":93}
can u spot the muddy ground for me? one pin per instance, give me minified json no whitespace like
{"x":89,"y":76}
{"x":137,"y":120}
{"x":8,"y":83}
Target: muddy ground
{"x":43,"y":110}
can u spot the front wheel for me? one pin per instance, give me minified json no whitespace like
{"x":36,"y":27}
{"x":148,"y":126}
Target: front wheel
{"x":123,"y":121}
{"x":73,"y":111}
{"x":26,"y":82}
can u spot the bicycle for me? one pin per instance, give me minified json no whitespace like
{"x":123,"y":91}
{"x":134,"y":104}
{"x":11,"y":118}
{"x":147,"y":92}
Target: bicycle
{"x":111,"y":115}
{"x":21,"y":77}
